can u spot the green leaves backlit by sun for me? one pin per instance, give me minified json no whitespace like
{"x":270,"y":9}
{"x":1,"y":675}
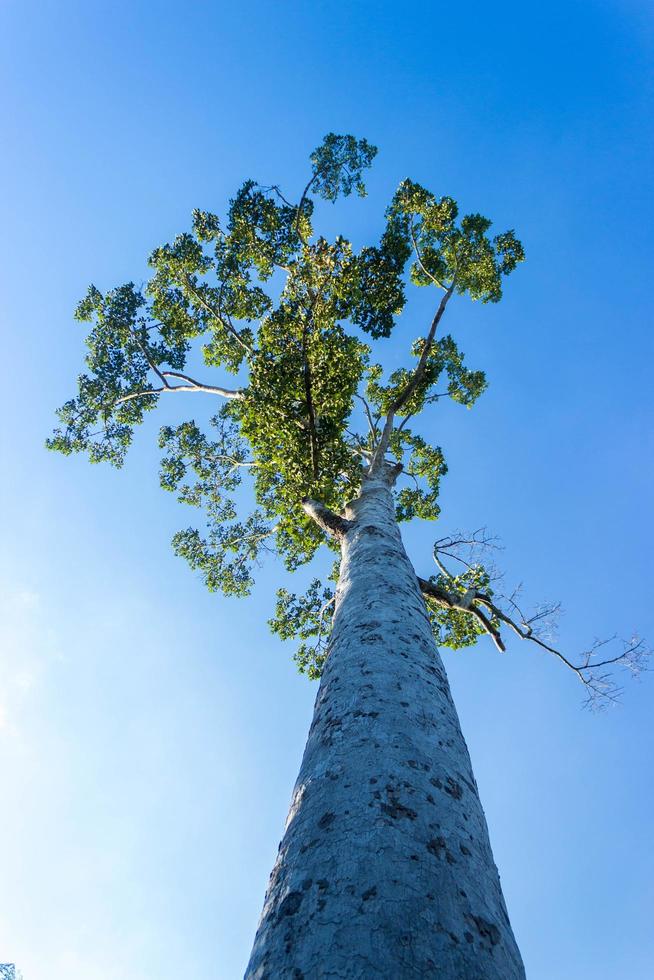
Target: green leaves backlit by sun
{"x":291,"y":317}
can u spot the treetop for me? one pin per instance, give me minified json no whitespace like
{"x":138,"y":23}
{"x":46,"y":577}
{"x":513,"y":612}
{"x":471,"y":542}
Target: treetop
{"x":297,"y":321}
{"x":294,"y":314}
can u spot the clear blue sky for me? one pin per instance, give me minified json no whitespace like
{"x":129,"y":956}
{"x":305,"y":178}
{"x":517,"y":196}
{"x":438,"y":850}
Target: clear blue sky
{"x":150,"y":733}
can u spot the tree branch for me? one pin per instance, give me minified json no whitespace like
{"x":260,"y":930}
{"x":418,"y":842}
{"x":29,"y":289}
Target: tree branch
{"x":419,"y":256}
{"x":465,"y":604}
{"x":412,"y":384}
{"x":600,"y":688}
{"x":226,"y":322}
{"x":190,"y":386}
{"x":146,"y":355}
{"x":198,"y":386}
{"x":306,"y":370}
{"x":326,"y":519}
{"x":371,"y":424}
{"x":303,"y":198}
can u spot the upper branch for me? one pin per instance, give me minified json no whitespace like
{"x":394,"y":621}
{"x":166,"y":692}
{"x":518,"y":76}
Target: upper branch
{"x":313,"y":428}
{"x":412,"y":384}
{"x":191,"y":385}
{"x":298,"y":216}
{"x":372,"y":425}
{"x":225,"y":321}
{"x":144,"y":350}
{"x":419,"y":256}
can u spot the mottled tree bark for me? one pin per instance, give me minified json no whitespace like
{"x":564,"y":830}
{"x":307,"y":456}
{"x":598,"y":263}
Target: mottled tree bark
{"x":385,"y":869}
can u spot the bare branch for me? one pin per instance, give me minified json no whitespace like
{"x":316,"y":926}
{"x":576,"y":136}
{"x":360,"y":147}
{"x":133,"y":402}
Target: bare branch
{"x":486,"y":608}
{"x":479,"y":540}
{"x":474,"y":545}
{"x":190,"y":386}
{"x":464,"y":604}
{"x":199,"y":386}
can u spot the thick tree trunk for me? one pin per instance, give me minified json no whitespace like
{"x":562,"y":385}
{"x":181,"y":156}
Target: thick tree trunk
{"x":385,"y":869}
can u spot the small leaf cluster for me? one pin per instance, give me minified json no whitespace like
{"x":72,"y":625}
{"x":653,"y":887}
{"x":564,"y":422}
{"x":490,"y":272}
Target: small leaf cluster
{"x":460,"y":255}
{"x":338,"y":164}
{"x":307,"y":617}
{"x":425,"y":465}
{"x":122,"y":348}
{"x":227,"y":554}
{"x":456,"y":628}
{"x":377,"y":295}
{"x":206,"y":473}
{"x":444,"y":360}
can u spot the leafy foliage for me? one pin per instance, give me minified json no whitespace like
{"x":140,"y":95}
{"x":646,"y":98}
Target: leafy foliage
{"x":230,"y":548}
{"x":306,"y":617}
{"x":338,"y":164}
{"x":456,"y":628}
{"x":447,"y":253}
{"x":425,"y":465}
{"x":288,"y":313}
{"x":444,"y":358}
{"x":121,"y":353}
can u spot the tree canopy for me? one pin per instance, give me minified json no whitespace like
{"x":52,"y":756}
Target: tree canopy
{"x":297,"y":320}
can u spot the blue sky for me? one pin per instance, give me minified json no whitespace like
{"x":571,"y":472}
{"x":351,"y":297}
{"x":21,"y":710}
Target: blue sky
{"x":150,"y":733}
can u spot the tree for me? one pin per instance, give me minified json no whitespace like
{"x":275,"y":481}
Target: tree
{"x":385,"y":868}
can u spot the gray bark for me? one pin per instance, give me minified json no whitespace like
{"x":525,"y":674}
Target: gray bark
{"x":385,"y":869}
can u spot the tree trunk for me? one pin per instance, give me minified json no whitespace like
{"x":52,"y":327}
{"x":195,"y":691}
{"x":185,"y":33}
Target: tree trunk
{"x":385,"y":869}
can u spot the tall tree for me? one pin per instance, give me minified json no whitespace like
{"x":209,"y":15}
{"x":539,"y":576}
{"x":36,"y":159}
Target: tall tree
{"x":385,"y":868}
